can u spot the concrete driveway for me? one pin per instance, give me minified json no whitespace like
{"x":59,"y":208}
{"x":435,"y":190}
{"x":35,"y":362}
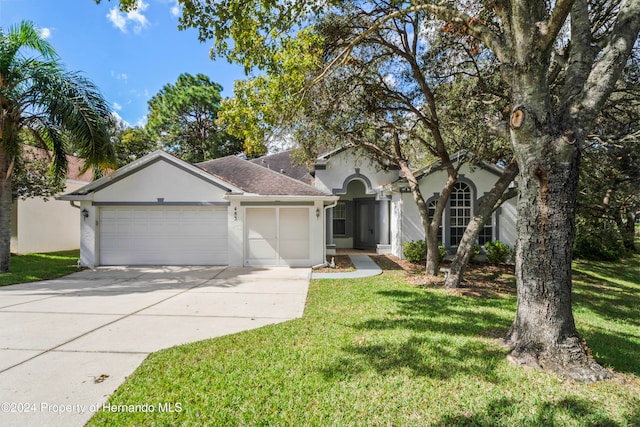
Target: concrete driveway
{"x":67,"y":344}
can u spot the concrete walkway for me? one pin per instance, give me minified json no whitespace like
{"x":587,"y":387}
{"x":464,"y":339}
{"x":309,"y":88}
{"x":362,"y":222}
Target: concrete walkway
{"x":365,"y":267}
{"x":67,"y":344}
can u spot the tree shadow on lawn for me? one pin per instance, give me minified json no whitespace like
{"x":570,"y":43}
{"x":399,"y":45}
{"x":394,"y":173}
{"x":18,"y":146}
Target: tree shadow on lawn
{"x":447,"y":335}
{"x":602,"y":294}
{"x":430,"y":334}
{"x":617,"y":350}
{"x":616,"y":302}
{"x":626,"y":270}
{"x":546,"y":413}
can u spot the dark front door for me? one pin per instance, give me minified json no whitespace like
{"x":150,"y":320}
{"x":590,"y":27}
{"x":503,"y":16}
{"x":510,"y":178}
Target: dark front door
{"x":364,"y":236}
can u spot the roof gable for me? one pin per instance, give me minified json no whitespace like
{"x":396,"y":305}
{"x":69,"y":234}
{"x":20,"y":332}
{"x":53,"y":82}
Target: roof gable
{"x":259,"y":180}
{"x":142,"y":164}
{"x":458,"y":156}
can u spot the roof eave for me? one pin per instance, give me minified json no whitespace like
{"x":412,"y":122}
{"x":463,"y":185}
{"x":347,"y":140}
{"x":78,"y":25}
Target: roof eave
{"x":275,"y":197}
{"x":71,"y":197}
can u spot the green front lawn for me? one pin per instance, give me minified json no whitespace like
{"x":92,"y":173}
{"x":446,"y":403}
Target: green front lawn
{"x":34,"y":267}
{"x":378,"y":351}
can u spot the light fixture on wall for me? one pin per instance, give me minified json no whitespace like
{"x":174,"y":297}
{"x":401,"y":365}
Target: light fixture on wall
{"x":85,"y":213}
{"x":235,"y":213}
{"x":318,"y":213}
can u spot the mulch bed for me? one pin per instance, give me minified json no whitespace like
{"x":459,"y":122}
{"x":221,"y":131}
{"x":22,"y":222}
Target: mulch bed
{"x":480,"y":280}
{"x":343,"y":264}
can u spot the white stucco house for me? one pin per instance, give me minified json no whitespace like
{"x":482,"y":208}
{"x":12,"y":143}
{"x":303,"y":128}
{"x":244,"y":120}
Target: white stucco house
{"x":229,"y":211}
{"x":48,"y":225}
{"x":376,"y":210}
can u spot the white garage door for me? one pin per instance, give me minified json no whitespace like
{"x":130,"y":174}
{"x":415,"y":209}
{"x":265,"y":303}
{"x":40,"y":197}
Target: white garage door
{"x":277,"y":236}
{"x":163,"y":236}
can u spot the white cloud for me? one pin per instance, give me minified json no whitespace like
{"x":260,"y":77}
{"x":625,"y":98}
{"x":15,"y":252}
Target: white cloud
{"x":142,"y":121}
{"x":175,"y":10}
{"x":135,"y":17}
{"x":117,"y":19}
{"x":117,"y":106}
{"x":120,"y":76}
{"x":120,"y":120}
{"x":45,"y":32}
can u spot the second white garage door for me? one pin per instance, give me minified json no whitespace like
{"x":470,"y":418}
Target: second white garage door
{"x":277,"y":236}
{"x":163,"y":235}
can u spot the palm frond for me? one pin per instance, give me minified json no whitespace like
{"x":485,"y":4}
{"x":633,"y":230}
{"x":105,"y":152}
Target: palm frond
{"x":38,"y":93}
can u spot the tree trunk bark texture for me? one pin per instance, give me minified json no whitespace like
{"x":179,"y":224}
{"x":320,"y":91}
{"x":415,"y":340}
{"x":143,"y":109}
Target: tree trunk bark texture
{"x":5,"y":212}
{"x":543,"y":334}
{"x":430,"y":226}
{"x":431,"y":233}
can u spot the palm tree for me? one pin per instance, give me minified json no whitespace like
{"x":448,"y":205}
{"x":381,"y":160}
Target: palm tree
{"x":38,"y":96}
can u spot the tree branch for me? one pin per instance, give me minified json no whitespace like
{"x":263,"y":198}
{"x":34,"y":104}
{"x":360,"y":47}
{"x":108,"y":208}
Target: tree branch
{"x":549,"y":30}
{"x":610,"y":63}
{"x":472,"y":26}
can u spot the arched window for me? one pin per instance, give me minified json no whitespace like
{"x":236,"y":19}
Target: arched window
{"x":460,"y":213}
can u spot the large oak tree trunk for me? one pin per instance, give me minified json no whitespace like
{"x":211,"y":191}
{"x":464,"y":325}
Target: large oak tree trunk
{"x":544,"y":334}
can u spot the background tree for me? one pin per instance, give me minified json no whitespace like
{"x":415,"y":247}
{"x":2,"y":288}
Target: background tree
{"x":547,"y":133}
{"x":130,"y":143}
{"x":39,"y":97}
{"x":608,"y":201}
{"x":182,"y":119}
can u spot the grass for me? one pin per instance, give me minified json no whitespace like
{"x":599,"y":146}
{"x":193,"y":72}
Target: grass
{"x":34,"y":267}
{"x":379,"y":351}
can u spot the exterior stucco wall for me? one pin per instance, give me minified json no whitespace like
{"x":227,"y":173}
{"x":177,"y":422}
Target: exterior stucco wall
{"x":89,"y":236}
{"x":174,"y":185}
{"x":45,"y":226}
{"x":480,"y":180}
{"x":353,"y":174}
{"x":160,"y":180}
{"x":340,"y":169}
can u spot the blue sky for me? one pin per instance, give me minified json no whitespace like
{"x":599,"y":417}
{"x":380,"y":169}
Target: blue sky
{"x":128,"y":56}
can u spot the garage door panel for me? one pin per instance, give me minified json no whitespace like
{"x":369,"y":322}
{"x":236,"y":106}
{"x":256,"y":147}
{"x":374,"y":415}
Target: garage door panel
{"x":294,"y":223}
{"x":277,"y":236}
{"x":294,"y":249}
{"x":261,"y":223}
{"x":262,"y":249}
{"x":163,"y":235}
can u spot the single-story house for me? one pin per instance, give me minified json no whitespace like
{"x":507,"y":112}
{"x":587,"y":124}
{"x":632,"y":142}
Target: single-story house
{"x":230,"y":211}
{"x":41,"y":224}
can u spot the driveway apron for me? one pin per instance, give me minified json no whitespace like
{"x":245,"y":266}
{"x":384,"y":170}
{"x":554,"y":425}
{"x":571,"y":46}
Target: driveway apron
{"x":67,"y":344}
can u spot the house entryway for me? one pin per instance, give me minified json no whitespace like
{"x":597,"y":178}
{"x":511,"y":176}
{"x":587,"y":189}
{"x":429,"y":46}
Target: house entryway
{"x":360,"y":220}
{"x":365,"y":231}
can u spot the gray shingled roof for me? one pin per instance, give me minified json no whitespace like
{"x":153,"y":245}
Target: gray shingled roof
{"x":282,"y":162}
{"x":257,"y":179}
